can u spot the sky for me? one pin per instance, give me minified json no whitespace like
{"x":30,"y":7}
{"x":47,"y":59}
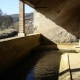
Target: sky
{"x":12,"y":7}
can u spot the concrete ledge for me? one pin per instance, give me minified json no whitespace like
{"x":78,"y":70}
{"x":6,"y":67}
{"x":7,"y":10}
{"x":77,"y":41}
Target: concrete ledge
{"x":77,"y":48}
{"x":74,"y":59}
{"x":58,"y":46}
{"x":64,"y":72}
{"x":22,"y":34}
{"x":70,"y":67}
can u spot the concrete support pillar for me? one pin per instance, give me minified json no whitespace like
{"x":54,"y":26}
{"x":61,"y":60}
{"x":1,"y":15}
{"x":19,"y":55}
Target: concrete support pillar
{"x":21,"y":19}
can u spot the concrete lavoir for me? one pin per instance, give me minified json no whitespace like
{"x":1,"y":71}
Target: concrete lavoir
{"x":59,"y":22}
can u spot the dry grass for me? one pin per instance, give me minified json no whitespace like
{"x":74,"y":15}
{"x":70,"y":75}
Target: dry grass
{"x":7,"y":33}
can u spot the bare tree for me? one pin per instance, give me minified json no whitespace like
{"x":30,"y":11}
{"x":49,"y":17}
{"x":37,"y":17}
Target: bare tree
{"x":1,"y":13}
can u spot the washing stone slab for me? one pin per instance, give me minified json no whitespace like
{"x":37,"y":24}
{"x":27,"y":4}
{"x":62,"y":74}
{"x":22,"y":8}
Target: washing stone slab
{"x":69,"y":67}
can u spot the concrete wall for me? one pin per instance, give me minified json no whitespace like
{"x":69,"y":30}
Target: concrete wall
{"x":12,"y":51}
{"x":59,"y":22}
{"x":66,"y":47}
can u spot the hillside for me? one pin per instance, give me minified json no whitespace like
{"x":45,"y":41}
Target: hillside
{"x":28,"y":22}
{"x":12,"y":30}
{"x":16,"y":16}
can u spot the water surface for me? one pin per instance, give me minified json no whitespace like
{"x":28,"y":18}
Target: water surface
{"x":40,"y":65}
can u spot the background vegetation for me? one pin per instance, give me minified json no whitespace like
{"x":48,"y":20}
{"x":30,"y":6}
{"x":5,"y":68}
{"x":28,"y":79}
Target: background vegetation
{"x":9,"y":24}
{"x":6,"y":21}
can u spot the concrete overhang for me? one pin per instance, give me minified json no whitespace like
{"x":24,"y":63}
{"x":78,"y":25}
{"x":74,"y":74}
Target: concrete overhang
{"x":60,"y":7}
{"x":55,"y":4}
{"x":35,"y":3}
{"x":28,"y":2}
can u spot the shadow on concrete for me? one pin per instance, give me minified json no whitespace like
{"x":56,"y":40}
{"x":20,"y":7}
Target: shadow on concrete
{"x":46,"y":41}
{"x":68,"y":70}
{"x":63,"y":72}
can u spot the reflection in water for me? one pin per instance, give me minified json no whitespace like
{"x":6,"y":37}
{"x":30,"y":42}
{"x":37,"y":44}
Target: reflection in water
{"x":41,"y":65}
{"x":46,"y":67}
{"x":30,"y":76}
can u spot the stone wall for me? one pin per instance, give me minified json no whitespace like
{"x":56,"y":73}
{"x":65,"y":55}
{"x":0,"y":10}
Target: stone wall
{"x":59,"y":22}
{"x":12,"y":51}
